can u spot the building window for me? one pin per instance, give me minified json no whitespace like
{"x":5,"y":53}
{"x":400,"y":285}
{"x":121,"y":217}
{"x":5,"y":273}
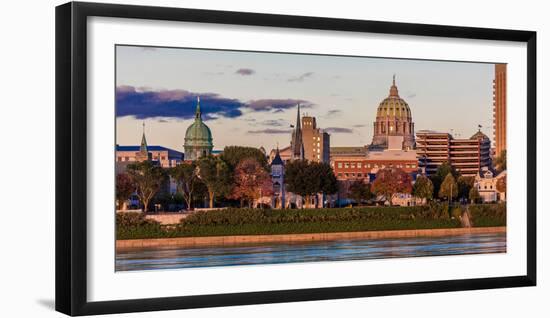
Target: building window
{"x":360,"y":175}
{"x":346,"y":175}
{"x":339,"y":174}
{"x":346,"y":165}
{"x":413,"y":166}
{"x":353,"y":165}
{"x":119,"y":159}
{"x":339,"y":165}
{"x":359,"y":165}
{"x":126,"y":158}
{"x":163,"y":158}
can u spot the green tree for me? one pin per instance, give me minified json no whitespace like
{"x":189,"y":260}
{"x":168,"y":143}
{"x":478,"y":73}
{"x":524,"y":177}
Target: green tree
{"x":124,"y":188}
{"x":359,"y":191}
{"x":148,"y":179}
{"x":474,"y":195}
{"x":233,"y":155}
{"x":308,"y":179}
{"x":500,"y":161}
{"x":449,"y":188}
{"x":215,"y":174}
{"x":464,"y":186}
{"x":423,"y":188}
{"x":329,"y":183}
{"x":442,"y":171}
{"x":187,"y":180}
{"x":390,"y":181}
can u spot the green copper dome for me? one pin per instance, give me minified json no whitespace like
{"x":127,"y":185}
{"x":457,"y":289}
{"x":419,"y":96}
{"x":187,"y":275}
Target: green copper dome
{"x":394,"y":106}
{"x":198,"y":138}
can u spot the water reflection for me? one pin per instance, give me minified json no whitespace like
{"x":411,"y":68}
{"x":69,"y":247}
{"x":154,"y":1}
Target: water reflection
{"x":178,"y":257}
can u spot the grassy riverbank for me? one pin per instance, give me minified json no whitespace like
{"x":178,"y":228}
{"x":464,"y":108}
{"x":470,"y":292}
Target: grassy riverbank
{"x":269,"y":222}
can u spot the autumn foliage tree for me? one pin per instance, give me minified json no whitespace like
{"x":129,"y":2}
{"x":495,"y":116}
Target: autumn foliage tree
{"x":501,"y":184}
{"x":124,"y":188}
{"x":148,"y":179}
{"x":390,"y":181}
{"x":251,"y":181}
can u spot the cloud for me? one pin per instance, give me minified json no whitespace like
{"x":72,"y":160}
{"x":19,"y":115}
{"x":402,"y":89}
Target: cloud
{"x":300,"y":78}
{"x":173,"y":104}
{"x":333,"y":112}
{"x":411,"y":95}
{"x":277,"y":104}
{"x":340,"y":130}
{"x":245,"y":71}
{"x":144,"y":103}
{"x":270,"y":131}
{"x":163,"y":121}
{"x":275,"y":123}
{"x":359,"y":125}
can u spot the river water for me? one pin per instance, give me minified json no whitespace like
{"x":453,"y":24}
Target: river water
{"x":341,"y":250}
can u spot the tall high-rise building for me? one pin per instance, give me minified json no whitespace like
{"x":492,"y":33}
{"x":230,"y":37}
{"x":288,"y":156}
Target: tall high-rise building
{"x":499,"y":108}
{"x":316,"y":142}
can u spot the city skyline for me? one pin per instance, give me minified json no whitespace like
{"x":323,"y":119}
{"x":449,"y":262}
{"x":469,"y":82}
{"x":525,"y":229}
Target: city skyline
{"x":250,"y":98}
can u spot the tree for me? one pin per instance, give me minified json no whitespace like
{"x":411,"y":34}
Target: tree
{"x":232,"y":155}
{"x":442,"y":171}
{"x":474,"y":195}
{"x":307,"y":179}
{"x":423,"y":188}
{"x":449,"y":188}
{"x":390,"y":181}
{"x":501,"y":184}
{"x":124,"y":188}
{"x":186,"y":177}
{"x":215,"y":174}
{"x":359,"y":191}
{"x":500,"y":161}
{"x":464,"y":186}
{"x":148,"y":179}
{"x":251,"y":181}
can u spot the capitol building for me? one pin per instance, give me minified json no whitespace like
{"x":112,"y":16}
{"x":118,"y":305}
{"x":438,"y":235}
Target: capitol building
{"x":393,"y":118}
{"x":198,"y":137}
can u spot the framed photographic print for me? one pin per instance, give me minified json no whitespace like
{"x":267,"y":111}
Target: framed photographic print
{"x":209,"y":158}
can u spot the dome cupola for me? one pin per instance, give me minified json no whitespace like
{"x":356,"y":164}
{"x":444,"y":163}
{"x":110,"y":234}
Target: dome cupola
{"x":198,"y":137}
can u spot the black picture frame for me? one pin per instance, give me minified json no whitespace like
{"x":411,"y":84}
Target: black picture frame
{"x":71,"y":157}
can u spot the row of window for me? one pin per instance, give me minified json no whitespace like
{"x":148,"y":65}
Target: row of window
{"x":359,"y":165}
{"x":128,"y":158}
{"x":353,"y":175}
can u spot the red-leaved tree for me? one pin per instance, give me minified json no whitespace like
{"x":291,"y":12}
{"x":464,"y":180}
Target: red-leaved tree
{"x":390,"y":181}
{"x":252,"y":181}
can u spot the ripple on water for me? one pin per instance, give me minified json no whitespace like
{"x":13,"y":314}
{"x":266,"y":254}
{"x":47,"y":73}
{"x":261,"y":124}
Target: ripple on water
{"x":341,"y":250}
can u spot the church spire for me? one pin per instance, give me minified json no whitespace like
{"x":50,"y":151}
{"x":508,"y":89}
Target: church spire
{"x":297,"y":145}
{"x":143,"y":147}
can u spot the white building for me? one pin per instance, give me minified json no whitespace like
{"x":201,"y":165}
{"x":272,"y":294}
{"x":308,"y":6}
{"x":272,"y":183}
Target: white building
{"x":486,"y":184}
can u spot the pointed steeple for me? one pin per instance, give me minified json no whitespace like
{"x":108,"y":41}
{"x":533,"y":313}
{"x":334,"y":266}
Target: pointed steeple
{"x":393,"y":89}
{"x":297,"y":145}
{"x":143,"y":147}
{"x":198,"y":111}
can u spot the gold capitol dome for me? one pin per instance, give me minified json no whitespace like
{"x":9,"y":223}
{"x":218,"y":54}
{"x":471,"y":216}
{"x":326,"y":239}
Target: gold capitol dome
{"x":393,"y":118}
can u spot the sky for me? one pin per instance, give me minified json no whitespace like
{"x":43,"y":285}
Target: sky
{"x":250,"y":98}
